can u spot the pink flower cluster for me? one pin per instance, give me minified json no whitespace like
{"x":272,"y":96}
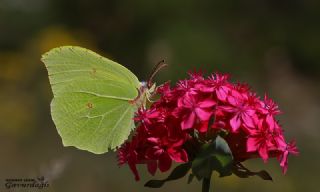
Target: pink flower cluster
{"x":207,"y":106}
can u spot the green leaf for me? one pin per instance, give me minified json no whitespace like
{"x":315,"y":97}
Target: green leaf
{"x":242,"y":172}
{"x":215,"y":156}
{"x":91,"y":107}
{"x":179,"y":172}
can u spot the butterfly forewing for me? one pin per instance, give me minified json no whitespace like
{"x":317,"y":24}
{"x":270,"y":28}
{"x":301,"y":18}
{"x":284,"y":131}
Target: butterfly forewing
{"x":91,"y":107}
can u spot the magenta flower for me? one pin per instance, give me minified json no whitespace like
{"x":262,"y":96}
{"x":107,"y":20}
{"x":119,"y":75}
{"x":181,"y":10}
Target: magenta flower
{"x":290,"y":149}
{"x":242,"y":112}
{"x":128,"y":154}
{"x":263,"y":140}
{"x":218,"y":84}
{"x":194,"y":112}
{"x":270,"y":109}
{"x":191,"y":109}
{"x":147,"y":116}
{"x":166,"y":152}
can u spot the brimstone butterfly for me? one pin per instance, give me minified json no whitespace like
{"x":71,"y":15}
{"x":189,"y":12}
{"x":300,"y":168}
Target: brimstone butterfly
{"x":93,"y":106}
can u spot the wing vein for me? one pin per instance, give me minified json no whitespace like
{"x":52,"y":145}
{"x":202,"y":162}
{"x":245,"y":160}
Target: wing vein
{"x":103,"y":96}
{"x":69,"y":71}
{"x":104,"y":114}
{"x":118,"y":121}
{"x":101,"y":120}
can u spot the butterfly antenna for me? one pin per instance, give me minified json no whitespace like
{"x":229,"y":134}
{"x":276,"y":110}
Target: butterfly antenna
{"x":161,"y":64}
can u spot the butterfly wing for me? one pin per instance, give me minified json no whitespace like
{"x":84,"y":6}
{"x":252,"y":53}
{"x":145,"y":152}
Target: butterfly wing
{"x":91,"y":107}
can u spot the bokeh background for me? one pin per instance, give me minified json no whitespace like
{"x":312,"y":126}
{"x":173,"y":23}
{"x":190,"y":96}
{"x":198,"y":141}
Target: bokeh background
{"x":274,"y":45}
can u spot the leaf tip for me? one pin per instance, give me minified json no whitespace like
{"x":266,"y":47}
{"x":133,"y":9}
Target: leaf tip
{"x":154,"y":184}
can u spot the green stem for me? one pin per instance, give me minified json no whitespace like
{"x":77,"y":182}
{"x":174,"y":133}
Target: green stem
{"x":206,"y":184}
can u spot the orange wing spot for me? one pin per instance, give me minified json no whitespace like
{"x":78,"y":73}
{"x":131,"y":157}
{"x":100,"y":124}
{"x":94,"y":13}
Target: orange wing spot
{"x":89,"y":105}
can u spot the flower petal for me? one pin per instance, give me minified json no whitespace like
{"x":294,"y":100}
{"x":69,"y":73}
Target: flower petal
{"x":227,"y":108}
{"x":284,"y":162}
{"x":164,"y":162}
{"x":263,"y":152}
{"x":152,"y":167}
{"x":134,"y":170}
{"x":247,"y":120}
{"x":235,"y":123}
{"x":222,"y":93}
{"x":252,"y":144}
{"x":154,"y":152}
{"x":232,"y":100}
{"x":203,"y":114}
{"x":270,"y":121}
{"x":206,"y":103}
{"x":202,"y":127}
{"x":153,"y":140}
{"x":188,"y":121}
{"x":179,"y":156}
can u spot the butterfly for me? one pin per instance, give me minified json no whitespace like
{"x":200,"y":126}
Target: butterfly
{"x":94,"y":98}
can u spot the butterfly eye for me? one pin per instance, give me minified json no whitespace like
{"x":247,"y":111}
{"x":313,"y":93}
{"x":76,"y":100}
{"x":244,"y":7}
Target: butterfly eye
{"x":143,"y":84}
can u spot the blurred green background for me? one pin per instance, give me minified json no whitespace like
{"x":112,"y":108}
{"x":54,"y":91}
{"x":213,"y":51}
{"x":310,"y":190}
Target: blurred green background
{"x":273,"y":45}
